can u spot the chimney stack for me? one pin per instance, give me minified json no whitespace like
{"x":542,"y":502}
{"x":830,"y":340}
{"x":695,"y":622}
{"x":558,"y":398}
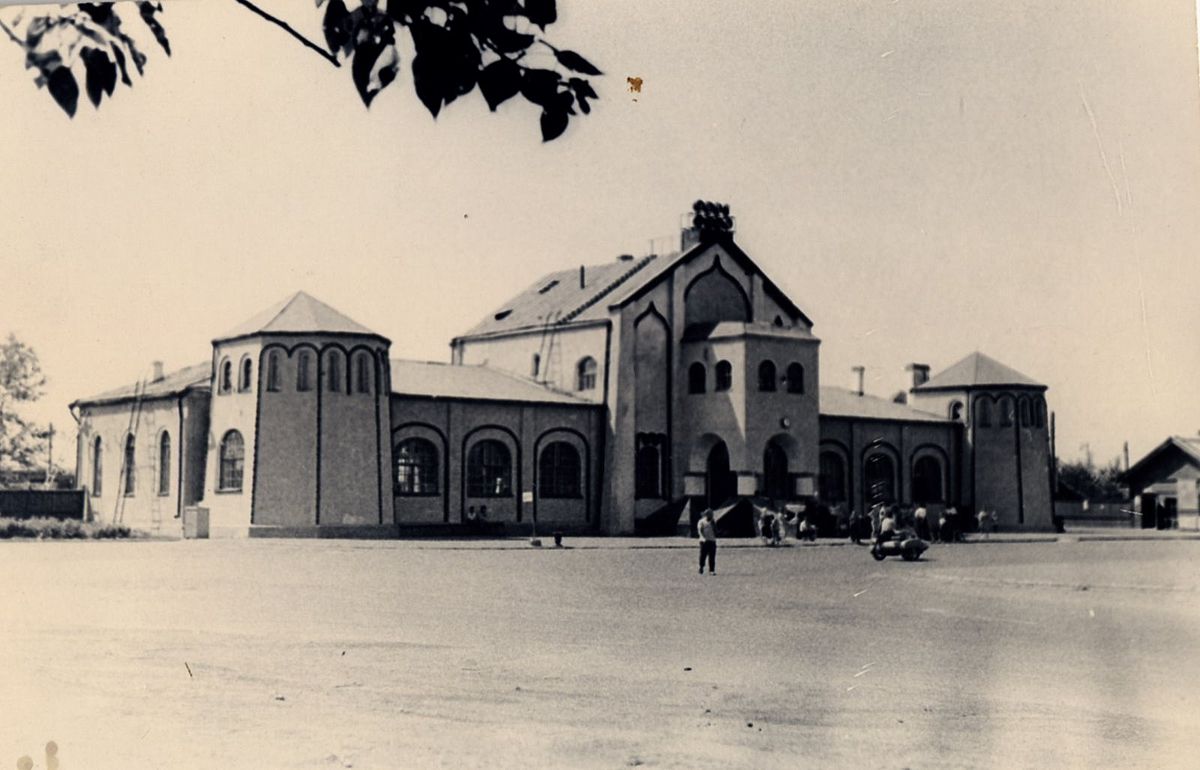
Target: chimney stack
{"x":157,"y":367}
{"x":860,"y":373}
{"x":582,"y":277}
{"x":920,"y":373}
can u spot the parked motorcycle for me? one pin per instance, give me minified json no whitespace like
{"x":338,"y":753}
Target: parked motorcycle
{"x":904,"y":544}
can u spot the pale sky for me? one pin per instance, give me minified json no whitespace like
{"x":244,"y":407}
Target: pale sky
{"x":925,"y":178}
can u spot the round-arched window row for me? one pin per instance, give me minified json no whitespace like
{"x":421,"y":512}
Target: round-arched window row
{"x":360,"y":372}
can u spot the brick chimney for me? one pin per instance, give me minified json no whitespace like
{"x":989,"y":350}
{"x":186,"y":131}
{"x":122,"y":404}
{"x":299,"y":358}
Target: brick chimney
{"x":157,"y":369}
{"x":857,"y":382}
{"x":920,"y":373}
{"x":582,"y":277}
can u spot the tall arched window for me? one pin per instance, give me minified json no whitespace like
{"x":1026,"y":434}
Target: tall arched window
{"x":362,"y":373}
{"x":1006,"y":411}
{"x":416,"y":467}
{"x":304,"y":371}
{"x":333,"y":373}
{"x":585,"y":374}
{"x":232,"y":462}
{"x":647,"y":482}
{"x":247,"y":371}
{"x":1026,"y":413}
{"x":927,"y":480}
{"x":766,"y":376}
{"x":775,"y":472}
{"x":697,"y":378}
{"x":129,"y":469}
{"x":879,"y":473}
{"x":273,"y":371}
{"x":832,"y":481}
{"x":97,"y":468}
{"x":1039,"y":412}
{"x":724,"y":376}
{"x":795,"y":378}
{"x":489,"y":470}
{"x":983,"y":412}
{"x":226,"y":383}
{"x":559,"y":471}
{"x":164,"y":464}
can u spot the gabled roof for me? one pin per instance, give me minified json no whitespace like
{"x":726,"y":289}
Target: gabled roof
{"x":482,"y":383}
{"x":843,"y":402}
{"x":1189,"y":446}
{"x":557,"y":298}
{"x":194,"y":377}
{"x":299,"y":313}
{"x":977,"y":371}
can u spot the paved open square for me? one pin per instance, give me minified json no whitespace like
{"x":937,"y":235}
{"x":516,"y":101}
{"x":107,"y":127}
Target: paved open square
{"x":324,"y":654}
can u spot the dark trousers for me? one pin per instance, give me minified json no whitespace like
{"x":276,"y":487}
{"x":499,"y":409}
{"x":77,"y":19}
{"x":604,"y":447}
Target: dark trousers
{"x":708,"y":550}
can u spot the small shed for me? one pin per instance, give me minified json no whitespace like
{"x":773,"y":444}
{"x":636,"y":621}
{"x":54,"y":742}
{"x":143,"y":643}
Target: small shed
{"x":1165,"y":485}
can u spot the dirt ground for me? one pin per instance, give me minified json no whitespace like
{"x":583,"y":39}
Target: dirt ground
{"x":328,"y":654}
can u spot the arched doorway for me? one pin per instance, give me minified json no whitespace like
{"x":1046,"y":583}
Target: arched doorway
{"x":879,"y":476}
{"x":927,"y":486}
{"x":775,"y":472}
{"x":722,"y":483}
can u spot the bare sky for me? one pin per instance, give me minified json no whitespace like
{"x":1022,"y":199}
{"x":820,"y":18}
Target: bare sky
{"x":925,"y":178}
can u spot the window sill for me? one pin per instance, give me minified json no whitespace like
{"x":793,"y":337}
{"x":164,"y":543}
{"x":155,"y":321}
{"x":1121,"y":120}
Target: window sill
{"x":560,"y":497}
{"x":237,"y":491}
{"x":416,"y":494}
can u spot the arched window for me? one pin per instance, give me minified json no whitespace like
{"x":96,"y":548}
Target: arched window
{"x":879,"y":474}
{"x":129,"y":469}
{"x":927,"y":480}
{"x":1039,"y":413}
{"x":775,"y":472}
{"x":647,"y":477}
{"x":273,"y":371}
{"x":226,"y":383}
{"x":795,"y":378}
{"x":585,"y":374}
{"x":1026,"y":413}
{"x":832,"y":481}
{"x":164,"y":464}
{"x":246,"y":375}
{"x":983,"y":412}
{"x":724,"y":376}
{"x":304,"y":371}
{"x":766,"y":376}
{"x":362,"y":373}
{"x":333,"y":373}
{"x":1006,"y":411}
{"x":697,"y":378}
{"x":232,"y":460}
{"x":535,"y":366}
{"x":489,"y":470}
{"x":559,"y":471}
{"x":97,"y":468}
{"x":956,"y":408}
{"x":416,"y":467}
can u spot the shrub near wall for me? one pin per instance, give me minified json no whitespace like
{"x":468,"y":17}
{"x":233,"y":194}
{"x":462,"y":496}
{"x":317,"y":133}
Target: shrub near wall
{"x":57,"y":529}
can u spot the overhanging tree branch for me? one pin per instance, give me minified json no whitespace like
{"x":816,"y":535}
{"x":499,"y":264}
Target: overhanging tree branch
{"x":326,"y":55}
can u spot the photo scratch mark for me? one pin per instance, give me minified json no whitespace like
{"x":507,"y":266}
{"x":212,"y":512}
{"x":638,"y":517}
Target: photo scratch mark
{"x":189,"y":670}
{"x":1100,"y":146}
{"x":635,"y":85}
{"x":860,"y":593}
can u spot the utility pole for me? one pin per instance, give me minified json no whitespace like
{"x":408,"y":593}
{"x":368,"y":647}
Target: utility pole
{"x":49,"y":455}
{"x":1126,"y":453}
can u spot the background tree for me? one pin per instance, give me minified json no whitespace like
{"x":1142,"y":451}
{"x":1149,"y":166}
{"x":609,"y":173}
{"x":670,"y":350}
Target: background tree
{"x":1099,"y":484}
{"x":21,"y":381}
{"x":456,"y":45}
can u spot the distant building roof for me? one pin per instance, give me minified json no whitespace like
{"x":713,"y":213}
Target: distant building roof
{"x":977,"y":371}
{"x":1189,"y":446}
{"x":843,"y":402}
{"x":558,"y":298}
{"x":189,"y":378}
{"x":482,"y":383}
{"x":299,"y":313}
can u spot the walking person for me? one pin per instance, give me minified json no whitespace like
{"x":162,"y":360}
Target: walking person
{"x":982,"y":518}
{"x":921,"y":517}
{"x":706,"y":528}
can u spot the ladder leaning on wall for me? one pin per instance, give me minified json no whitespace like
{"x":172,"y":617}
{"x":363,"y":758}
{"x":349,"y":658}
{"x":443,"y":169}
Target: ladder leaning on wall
{"x":135,"y":419}
{"x":549,"y":354}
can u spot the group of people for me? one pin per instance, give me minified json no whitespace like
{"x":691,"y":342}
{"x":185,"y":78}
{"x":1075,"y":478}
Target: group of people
{"x":773,"y":527}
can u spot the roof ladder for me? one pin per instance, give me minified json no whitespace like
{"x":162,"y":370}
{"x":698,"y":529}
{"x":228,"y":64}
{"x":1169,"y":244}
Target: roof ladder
{"x":135,"y":420}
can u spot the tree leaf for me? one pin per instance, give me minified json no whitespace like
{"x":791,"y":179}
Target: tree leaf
{"x":425,"y":75}
{"x":101,"y":74}
{"x":64,"y":89}
{"x":364,"y":61}
{"x":540,"y":86}
{"x":574,"y":61}
{"x":147,"y":11}
{"x":337,"y":34}
{"x":541,"y":12}
{"x":554,"y":122}
{"x":499,"y":82}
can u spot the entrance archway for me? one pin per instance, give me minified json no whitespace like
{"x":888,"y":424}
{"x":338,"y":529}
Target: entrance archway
{"x":775,"y":472}
{"x":879,"y":476}
{"x":722,"y":483}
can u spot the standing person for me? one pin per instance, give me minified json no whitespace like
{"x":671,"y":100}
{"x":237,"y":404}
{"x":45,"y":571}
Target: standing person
{"x":982,"y":519}
{"x":921,"y":517}
{"x":777,"y":530}
{"x":706,"y":528}
{"x":855,"y":527}
{"x":887,"y":528}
